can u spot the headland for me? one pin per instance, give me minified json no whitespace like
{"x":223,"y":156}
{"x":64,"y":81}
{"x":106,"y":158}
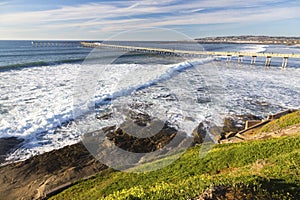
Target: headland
{"x":279,"y":40}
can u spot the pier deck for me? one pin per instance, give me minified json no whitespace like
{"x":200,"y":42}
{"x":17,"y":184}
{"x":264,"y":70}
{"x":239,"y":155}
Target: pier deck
{"x":240,"y":55}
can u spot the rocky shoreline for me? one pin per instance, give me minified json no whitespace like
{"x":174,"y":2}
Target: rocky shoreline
{"x":37,"y":176}
{"x":46,"y":174}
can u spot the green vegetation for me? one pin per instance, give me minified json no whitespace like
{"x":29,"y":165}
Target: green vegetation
{"x":268,"y":169}
{"x":282,"y":122}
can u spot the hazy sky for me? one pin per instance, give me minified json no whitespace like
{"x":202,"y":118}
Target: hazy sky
{"x":85,"y":19}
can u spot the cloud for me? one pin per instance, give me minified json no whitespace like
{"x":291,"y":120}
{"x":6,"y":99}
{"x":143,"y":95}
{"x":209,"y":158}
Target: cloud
{"x":110,"y":17}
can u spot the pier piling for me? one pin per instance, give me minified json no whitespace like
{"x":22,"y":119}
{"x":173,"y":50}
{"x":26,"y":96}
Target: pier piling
{"x":240,"y":59}
{"x":253,"y":60}
{"x":268,"y":61}
{"x":228,"y":58}
{"x":284,"y":62}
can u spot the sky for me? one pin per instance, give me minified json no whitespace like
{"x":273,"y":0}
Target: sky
{"x":103,"y":19}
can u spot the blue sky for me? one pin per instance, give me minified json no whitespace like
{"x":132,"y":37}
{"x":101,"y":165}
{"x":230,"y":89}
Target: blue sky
{"x":85,"y":19}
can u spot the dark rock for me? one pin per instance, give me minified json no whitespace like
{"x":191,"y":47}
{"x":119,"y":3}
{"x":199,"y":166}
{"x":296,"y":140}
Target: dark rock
{"x":140,"y":133}
{"x":126,"y":141}
{"x":206,"y":132}
{"x":140,"y":119}
{"x":105,"y":116}
{"x":232,"y":125}
{"x":7,"y":145}
{"x":210,"y":132}
{"x":236,"y":123}
{"x":249,"y":117}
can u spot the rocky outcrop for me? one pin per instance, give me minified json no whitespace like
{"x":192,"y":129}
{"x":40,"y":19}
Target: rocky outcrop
{"x":46,"y":173}
{"x":209,"y":132}
{"x":141,"y":145}
{"x":33,"y":178}
{"x":236,"y":123}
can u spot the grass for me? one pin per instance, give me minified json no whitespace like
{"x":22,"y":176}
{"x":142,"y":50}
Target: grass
{"x":268,"y":169}
{"x":282,"y":122}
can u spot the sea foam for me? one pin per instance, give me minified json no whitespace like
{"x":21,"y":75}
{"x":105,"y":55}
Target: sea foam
{"x":37,"y":103}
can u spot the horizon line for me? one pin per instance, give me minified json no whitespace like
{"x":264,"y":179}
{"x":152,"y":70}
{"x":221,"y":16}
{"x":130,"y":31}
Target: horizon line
{"x":49,"y":39}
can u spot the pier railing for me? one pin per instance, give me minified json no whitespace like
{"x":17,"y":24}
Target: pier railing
{"x":229,"y":55}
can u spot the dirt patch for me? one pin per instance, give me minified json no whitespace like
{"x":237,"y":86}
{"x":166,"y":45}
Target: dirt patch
{"x":225,"y":193}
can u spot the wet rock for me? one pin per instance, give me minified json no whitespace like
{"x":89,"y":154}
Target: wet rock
{"x":8,"y":145}
{"x":209,"y":132}
{"x":140,"y":133}
{"x":232,"y":124}
{"x":138,"y":140}
{"x":126,"y":141}
{"x":249,"y":117}
{"x":236,"y":123}
{"x":105,"y":116}
{"x":206,"y":132}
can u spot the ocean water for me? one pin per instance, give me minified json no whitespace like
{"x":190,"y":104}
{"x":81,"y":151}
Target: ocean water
{"x":44,"y":96}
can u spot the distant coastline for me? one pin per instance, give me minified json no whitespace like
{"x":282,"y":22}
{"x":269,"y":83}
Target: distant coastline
{"x":252,"y":40}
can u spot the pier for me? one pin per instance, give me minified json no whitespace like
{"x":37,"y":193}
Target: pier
{"x":229,"y":55}
{"x":54,"y":43}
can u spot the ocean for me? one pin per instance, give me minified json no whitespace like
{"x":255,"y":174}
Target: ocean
{"x":42,"y":87}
